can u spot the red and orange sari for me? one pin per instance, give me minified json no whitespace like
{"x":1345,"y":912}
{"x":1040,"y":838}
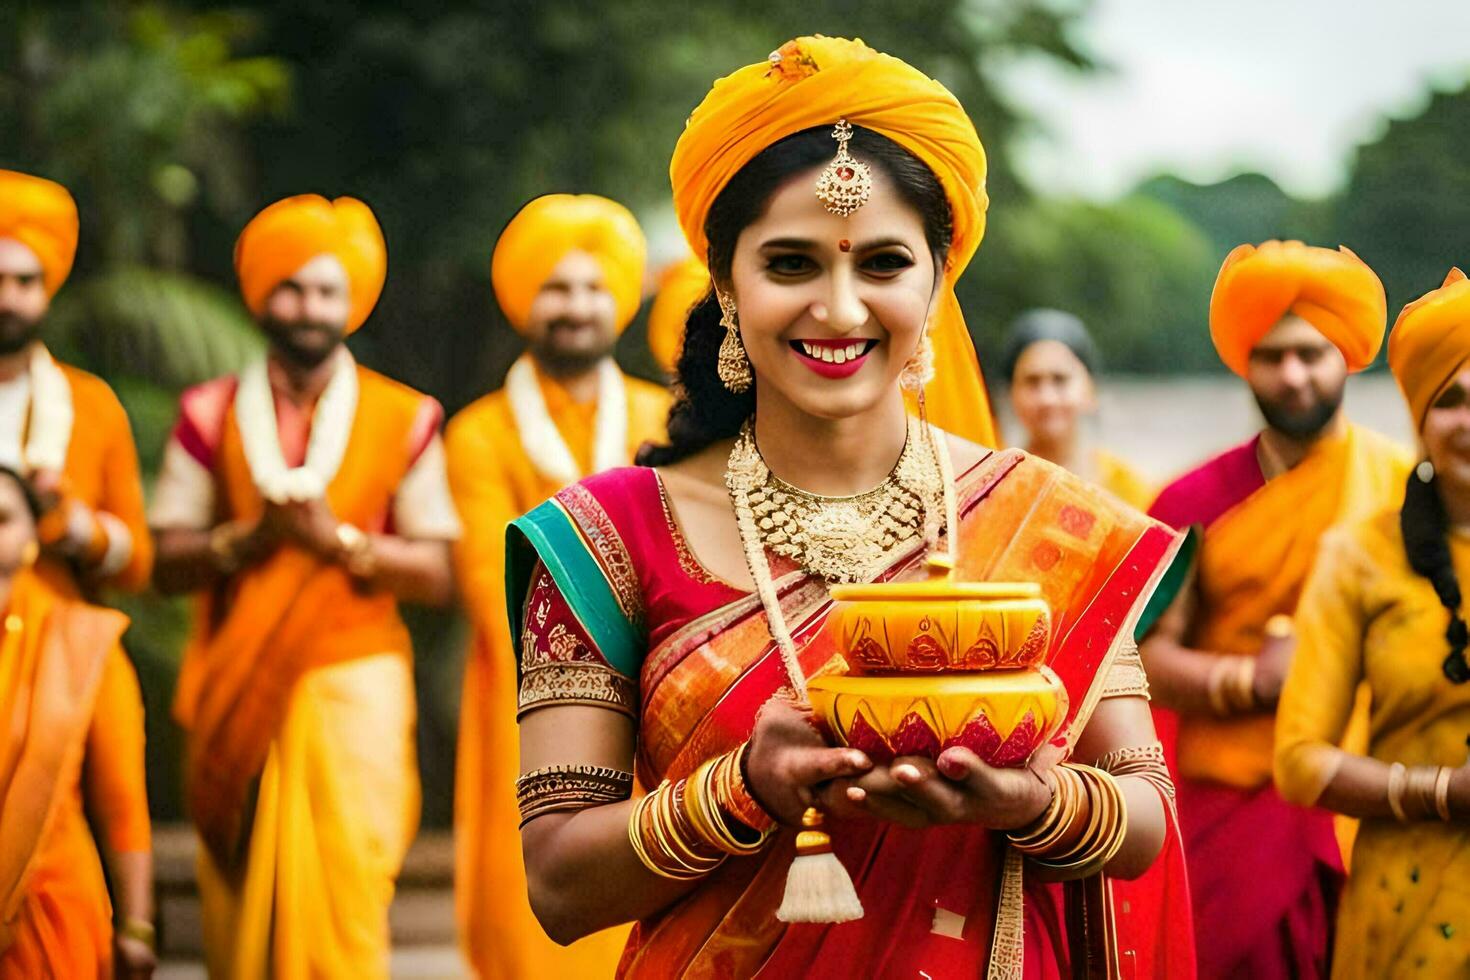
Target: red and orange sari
{"x":704,"y":662}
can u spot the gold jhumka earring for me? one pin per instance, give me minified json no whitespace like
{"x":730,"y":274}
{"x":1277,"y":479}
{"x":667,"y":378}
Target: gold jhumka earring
{"x":733,"y":366}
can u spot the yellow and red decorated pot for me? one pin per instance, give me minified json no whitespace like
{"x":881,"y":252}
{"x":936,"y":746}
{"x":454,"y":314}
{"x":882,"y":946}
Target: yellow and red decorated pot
{"x":937,"y":663}
{"x":940,"y":626}
{"x":1001,"y":716}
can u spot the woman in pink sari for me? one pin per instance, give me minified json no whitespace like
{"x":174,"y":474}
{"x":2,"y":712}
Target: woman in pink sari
{"x":670,"y":616}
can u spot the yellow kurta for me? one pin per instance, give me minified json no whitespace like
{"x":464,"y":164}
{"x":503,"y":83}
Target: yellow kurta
{"x":494,"y":482}
{"x":1366,"y":616}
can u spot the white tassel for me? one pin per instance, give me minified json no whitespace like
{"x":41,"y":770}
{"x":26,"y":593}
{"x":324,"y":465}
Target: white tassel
{"x":818,"y":887}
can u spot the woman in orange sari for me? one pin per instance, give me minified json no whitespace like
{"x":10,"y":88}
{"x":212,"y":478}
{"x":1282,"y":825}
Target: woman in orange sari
{"x":670,"y":616}
{"x":72,"y":719}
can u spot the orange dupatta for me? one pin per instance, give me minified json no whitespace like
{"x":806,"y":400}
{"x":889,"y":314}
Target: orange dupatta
{"x":61,"y":647}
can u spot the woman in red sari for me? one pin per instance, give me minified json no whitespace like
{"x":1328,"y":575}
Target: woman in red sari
{"x":669,"y":616}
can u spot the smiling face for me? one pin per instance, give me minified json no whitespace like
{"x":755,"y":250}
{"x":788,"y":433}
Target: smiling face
{"x":1051,"y":389}
{"x":830,"y":308}
{"x":572,"y":323}
{"x":1446,"y":433}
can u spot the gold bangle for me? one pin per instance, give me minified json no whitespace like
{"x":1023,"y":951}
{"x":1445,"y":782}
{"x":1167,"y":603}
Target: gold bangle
{"x":655,"y":845}
{"x":1215,"y":686}
{"x":141,"y":930}
{"x":1397,"y":777}
{"x":1106,"y":831}
{"x":1442,"y":793}
{"x":1245,"y":685}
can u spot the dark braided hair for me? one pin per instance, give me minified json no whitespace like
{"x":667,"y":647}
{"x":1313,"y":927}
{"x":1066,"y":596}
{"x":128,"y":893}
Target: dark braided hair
{"x":1426,"y":529}
{"x":705,"y":411}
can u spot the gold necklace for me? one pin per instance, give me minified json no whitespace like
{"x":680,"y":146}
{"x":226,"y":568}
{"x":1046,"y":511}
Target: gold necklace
{"x":841,"y":539}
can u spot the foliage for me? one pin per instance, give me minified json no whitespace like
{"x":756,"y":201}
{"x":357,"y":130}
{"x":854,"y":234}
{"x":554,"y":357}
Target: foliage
{"x":1406,"y":209}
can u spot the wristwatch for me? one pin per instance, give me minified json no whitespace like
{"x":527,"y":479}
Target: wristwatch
{"x":356,"y":551}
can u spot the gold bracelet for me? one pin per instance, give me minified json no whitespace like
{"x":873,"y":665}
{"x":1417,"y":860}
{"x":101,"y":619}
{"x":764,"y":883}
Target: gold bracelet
{"x":663,"y":840}
{"x":141,"y":930}
{"x":1397,"y":777}
{"x":554,"y":788}
{"x":1215,"y":686}
{"x":1244,"y":688}
{"x":1107,"y":828}
{"x":1442,"y":793}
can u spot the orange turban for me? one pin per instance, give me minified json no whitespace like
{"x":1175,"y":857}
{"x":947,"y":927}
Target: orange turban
{"x":1430,"y":343}
{"x":290,"y":233}
{"x":815,"y":81}
{"x":680,"y":286}
{"x":1334,"y":291}
{"x":542,"y":234}
{"x":42,"y":216}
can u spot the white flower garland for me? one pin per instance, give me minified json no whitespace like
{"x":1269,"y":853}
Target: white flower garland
{"x":331,"y":426}
{"x":539,"y":437}
{"x":52,"y":413}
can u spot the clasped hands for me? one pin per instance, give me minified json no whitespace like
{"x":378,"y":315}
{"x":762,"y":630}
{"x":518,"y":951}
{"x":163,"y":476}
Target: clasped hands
{"x":791,"y":767}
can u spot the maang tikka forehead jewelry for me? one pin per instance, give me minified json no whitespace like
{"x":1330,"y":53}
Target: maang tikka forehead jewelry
{"x":845,"y":184}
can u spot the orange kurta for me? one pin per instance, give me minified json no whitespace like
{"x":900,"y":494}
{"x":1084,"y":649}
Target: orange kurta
{"x":298,"y":679}
{"x":1252,"y":565}
{"x":73,"y":718}
{"x":494,"y":482}
{"x":102,"y":472}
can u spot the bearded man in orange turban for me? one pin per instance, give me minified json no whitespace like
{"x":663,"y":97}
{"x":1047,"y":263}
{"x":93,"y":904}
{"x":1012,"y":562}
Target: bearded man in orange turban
{"x":1293,"y":321}
{"x":302,"y":500}
{"x":94,"y":532}
{"x":568,"y":275}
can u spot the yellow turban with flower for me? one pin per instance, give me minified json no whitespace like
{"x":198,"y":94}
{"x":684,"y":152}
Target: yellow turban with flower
{"x":1334,"y":291}
{"x":1430,"y":343}
{"x":680,"y":286}
{"x":290,"y":233}
{"x":42,"y":216}
{"x":815,"y":81}
{"x":548,"y":228}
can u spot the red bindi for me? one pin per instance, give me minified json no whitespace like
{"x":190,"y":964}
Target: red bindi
{"x":844,"y":246}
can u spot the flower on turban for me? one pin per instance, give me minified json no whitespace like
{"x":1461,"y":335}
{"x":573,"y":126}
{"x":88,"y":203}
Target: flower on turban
{"x":549,"y":228}
{"x":290,"y":233}
{"x":1334,"y":291}
{"x":42,"y":216}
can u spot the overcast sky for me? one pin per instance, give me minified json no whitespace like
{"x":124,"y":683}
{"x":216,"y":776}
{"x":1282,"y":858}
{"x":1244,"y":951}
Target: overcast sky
{"x":1208,"y":89}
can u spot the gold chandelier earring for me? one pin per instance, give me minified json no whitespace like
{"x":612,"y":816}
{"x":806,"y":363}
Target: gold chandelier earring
{"x":918,"y":370}
{"x":733,"y":366}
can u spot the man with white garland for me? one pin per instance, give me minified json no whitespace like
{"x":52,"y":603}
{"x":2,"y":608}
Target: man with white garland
{"x":60,"y":427}
{"x":568,"y":275}
{"x":302,"y":499}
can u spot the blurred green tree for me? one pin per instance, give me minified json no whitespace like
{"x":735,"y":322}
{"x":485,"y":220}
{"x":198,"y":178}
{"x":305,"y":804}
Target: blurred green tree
{"x":1406,"y":207}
